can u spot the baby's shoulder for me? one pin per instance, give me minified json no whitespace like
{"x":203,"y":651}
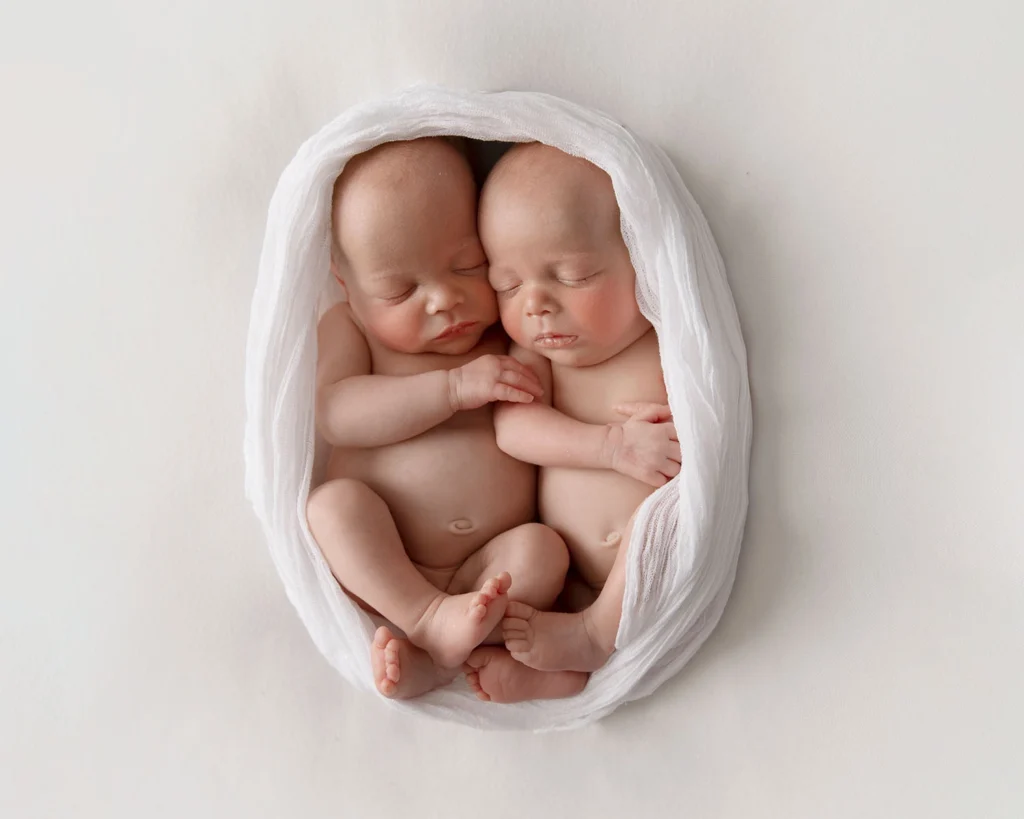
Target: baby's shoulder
{"x":342,"y":349}
{"x":337,"y":318}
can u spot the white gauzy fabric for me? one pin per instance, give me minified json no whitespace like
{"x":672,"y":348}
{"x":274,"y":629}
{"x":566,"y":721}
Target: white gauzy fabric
{"x":685,"y":546}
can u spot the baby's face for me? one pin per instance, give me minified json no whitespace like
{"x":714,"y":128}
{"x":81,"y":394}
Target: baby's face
{"x":414,"y":271}
{"x":565,"y":285}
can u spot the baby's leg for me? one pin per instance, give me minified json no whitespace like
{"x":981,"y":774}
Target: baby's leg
{"x":577,"y":594}
{"x":580,"y":641}
{"x":533,"y":554}
{"x":358,"y":538}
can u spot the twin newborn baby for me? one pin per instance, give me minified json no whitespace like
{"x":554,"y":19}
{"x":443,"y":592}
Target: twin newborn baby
{"x":428,"y":512}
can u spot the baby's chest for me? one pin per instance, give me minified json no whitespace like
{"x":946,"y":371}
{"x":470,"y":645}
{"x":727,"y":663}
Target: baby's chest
{"x":589,"y":394}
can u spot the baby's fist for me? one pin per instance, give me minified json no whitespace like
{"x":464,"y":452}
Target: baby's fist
{"x":492,"y":378}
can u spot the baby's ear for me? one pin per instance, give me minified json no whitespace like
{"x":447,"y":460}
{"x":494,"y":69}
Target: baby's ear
{"x":336,"y":272}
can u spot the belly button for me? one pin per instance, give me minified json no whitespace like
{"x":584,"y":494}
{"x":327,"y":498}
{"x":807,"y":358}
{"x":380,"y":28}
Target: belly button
{"x":461,"y":526}
{"x":612,"y":539}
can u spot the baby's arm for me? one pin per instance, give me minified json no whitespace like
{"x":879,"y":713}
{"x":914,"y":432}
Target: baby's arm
{"x":539,"y":434}
{"x":644,"y":447}
{"x":355,"y":408}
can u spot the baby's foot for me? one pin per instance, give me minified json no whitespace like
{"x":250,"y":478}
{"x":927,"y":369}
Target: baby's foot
{"x":456,"y":624}
{"x":401,"y":670}
{"x":495,"y":677}
{"x":551,"y":641}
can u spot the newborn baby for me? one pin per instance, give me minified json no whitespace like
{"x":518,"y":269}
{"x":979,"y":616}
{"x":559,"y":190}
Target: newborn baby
{"x":601,"y":433}
{"x":422,"y":517}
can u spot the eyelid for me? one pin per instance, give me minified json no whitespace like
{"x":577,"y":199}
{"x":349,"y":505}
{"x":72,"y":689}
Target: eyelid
{"x":580,"y":280}
{"x":400,"y":297}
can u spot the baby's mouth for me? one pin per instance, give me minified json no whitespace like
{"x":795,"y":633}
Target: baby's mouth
{"x":553,"y":341}
{"x":454,"y":330}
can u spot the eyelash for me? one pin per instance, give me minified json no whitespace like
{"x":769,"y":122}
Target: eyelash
{"x":399,"y":298}
{"x":465,"y":271}
{"x":573,"y":283}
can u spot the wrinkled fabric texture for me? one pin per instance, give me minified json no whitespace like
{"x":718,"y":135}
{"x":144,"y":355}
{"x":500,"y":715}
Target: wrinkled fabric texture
{"x":685,"y":546}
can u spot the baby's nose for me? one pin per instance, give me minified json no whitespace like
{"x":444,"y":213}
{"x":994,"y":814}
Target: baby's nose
{"x":443,"y":299}
{"x":537,"y":305}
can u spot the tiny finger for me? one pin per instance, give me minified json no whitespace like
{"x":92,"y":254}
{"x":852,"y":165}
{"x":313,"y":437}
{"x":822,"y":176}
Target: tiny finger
{"x":519,"y":366}
{"x":523,"y":382}
{"x":503,"y":392}
{"x":655,"y":479}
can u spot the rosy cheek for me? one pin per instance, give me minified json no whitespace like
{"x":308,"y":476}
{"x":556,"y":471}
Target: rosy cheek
{"x":512,"y":321}
{"x":593,"y":309}
{"x":399,"y":328}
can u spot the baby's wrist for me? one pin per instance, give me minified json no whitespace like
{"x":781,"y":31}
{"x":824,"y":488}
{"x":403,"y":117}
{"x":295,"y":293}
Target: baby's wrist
{"x":610,"y":445}
{"x":454,"y":388}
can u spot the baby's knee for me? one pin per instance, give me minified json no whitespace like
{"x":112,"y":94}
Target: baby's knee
{"x":545,"y":546}
{"x":542,"y":560}
{"x":338,"y":500}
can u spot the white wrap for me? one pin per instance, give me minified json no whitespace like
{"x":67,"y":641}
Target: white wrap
{"x":685,"y":546}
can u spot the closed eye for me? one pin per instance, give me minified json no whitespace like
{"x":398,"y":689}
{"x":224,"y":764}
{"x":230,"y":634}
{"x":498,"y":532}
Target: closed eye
{"x":471,"y":271}
{"x":579,"y":281}
{"x":398,"y":298}
{"x":508,"y":291}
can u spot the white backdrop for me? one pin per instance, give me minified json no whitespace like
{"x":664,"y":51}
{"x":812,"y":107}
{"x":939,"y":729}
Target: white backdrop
{"x":860,"y":165}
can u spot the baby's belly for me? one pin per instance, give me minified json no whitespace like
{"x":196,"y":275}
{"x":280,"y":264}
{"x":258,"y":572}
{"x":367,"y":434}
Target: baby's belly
{"x":449,"y":490}
{"x":590,"y":509}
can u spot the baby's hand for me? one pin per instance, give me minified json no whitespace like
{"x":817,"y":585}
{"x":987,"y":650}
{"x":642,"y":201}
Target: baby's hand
{"x":646,"y":447}
{"x":492,"y":378}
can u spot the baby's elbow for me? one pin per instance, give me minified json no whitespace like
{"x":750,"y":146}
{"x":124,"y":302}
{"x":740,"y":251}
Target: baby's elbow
{"x":326,"y":423}
{"x":502,"y":428}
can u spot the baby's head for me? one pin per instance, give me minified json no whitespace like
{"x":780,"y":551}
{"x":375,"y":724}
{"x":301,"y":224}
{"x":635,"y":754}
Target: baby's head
{"x":406,"y":251}
{"x":566,"y":287}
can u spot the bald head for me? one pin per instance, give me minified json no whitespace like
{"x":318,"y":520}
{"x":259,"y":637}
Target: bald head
{"x":383,"y":191}
{"x":571,"y":196}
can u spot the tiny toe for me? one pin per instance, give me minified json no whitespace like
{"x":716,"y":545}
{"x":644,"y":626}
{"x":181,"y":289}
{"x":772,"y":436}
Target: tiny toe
{"x":517,"y":610}
{"x":504,"y":581}
{"x":517,"y":645}
{"x":386,"y":687}
{"x":514,"y":622}
{"x":382,"y":637}
{"x":490,"y":588}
